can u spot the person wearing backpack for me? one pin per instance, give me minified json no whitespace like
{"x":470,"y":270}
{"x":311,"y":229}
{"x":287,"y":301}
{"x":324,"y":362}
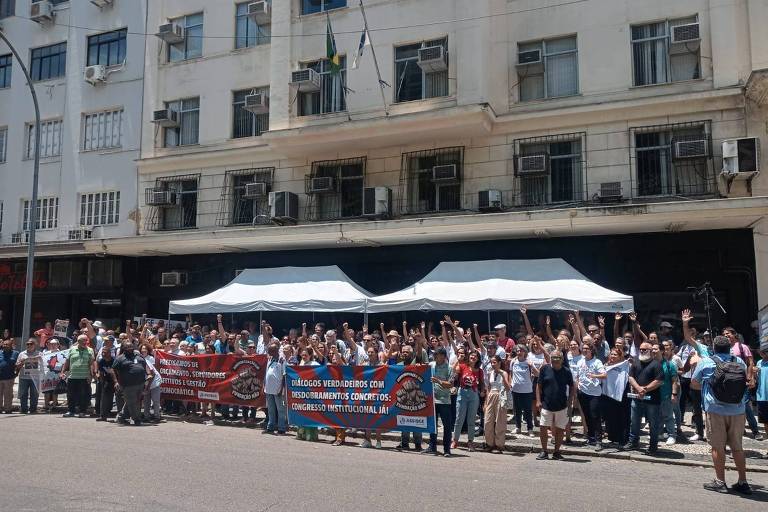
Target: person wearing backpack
{"x":722,"y":379}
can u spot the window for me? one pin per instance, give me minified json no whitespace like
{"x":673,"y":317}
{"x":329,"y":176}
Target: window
{"x":655,"y":60}
{"x":313,"y":6}
{"x":183,"y":213}
{"x":549,"y":170}
{"x":3,"y":144}
{"x":346,"y":197}
{"x":6,"y":63}
{"x":244,"y":122}
{"x":65,"y":274}
{"x":243,"y":208}
{"x":412,"y":82}
{"x":47,"y":213}
{"x":556,"y":75}
{"x":7,"y":8}
{"x":424,"y":194}
{"x":192,"y":45}
{"x":50,"y":139}
{"x":49,"y":62}
{"x":188,"y":117}
{"x":332,"y":94}
{"x":102,"y":130}
{"x":107,"y":49}
{"x":105,"y":273}
{"x":660,"y":169}
{"x":99,"y":208}
{"x":247,"y":32}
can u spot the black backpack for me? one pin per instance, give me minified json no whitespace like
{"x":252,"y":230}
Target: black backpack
{"x":729,"y":382}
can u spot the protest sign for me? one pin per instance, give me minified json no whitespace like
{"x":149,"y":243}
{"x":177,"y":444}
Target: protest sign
{"x":60,"y":328}
{"x":51,"y":380}
{"x":364,"y":397}
{"x":221,"y":378}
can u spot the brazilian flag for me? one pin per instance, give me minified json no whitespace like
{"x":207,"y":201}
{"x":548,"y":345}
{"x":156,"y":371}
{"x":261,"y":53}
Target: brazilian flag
{"x":334,"y":59}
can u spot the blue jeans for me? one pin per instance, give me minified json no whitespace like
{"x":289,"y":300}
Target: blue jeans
{"x":750,"y":414}
{"x":277,"y":411}
{"x":670,"y":416}
{"x":28,"y":391}
{"x":467,"y":403}
{"x":652,"y":413}
{"x":405,"y":438}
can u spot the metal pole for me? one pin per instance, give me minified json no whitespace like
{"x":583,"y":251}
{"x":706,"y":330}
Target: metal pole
{"x":375,"y":61}
{"x":32,"y":219}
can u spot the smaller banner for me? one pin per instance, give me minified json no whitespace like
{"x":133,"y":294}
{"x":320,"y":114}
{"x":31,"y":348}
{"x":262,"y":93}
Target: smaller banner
{"x":51,"y":380}
{"x":362,"y":397}
{"x":60,"y":328}
{"x":221,"y":378}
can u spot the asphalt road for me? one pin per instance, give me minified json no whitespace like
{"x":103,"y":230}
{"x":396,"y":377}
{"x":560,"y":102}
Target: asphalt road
{"x":52,"y":463}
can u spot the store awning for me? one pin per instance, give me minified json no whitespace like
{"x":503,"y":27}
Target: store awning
{"x":549,"y":284}
{"x":321,"y":289}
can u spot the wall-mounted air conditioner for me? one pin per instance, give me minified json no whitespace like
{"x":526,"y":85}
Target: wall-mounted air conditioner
{"x":95,"y":74}
{"x":489,"y":200}
{"x":171,"y":33}
{"x":306,"y":80}
{"x":377,"y":201}
{"x":171,"y":279}
{"x":165,"y":118}
{"x":254,"y":190}
{"x":432,"y":59}
{"x":448,"y":172}
{"x":283,"y":207}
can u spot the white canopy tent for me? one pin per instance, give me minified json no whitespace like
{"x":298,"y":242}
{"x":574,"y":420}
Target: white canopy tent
{"x":320,"y":289}
{"x":550,"y":284}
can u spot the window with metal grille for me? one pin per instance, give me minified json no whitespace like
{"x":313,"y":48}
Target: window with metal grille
{"x":188,"y":118}
{"x":673,"y":160}
{"x":105,"y":273}
{"x":50,"y":139}
{"x":345,"y":197}
{"x":313,"y":6}
{"x":332,"y":94}
{"x":549,"y":170}
{"x":192,"y":45}
{"x":247,"y":32}
{"x":656,"y":60}
{"x":419,"y":191}
{"x":6,"y":68}
{"x":49,"y":62}
{"x":99,"y":208}
{"x":47,"y":213}
{"x":107,"y":49}
{"x":244,"y":122}
{"x":556,"y":75}
{"x":102,"y":130}
{"x":240,"y":205}
{"x":413,"y":83}
{"x":183,"y":214}
{"x":3,"y":144}
{"x":7,"y":8}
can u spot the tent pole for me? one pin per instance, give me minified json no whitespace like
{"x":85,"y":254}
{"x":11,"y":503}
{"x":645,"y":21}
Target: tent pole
{"x":489,"y":320}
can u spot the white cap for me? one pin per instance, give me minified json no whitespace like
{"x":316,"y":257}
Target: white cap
{"x":500,"y":326}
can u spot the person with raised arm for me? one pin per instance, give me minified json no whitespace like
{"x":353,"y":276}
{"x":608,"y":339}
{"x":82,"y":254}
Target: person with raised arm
{"x":691,"y":352}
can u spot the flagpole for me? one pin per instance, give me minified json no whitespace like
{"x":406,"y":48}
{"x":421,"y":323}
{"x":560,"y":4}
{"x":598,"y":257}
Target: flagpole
{"x":375,"y":61}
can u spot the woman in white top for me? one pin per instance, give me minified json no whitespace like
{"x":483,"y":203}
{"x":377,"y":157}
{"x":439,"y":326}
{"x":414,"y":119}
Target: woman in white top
{"x":495,"y":427}
{"x":522,"y":389}
{"x":590,"y":371}
{"x":537,"y":358}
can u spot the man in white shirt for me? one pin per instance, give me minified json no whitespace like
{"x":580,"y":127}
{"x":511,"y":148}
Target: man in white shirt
{"x":273,"y":389}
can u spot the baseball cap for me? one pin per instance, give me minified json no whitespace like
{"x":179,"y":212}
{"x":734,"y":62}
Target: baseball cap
{"x":665,"y":324}
{"x":500,"y":326}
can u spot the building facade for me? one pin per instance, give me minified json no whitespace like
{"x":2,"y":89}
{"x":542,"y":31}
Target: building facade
{"x":591,"y":130}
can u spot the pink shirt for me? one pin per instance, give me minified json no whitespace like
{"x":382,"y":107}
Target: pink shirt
{"x":741,"y":350}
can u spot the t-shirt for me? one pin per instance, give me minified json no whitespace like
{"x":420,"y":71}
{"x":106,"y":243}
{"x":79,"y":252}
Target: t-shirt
{"x":470,"y":378}
{"x":644,"y":374}
{"x":103,"y":365}
{"x":685,"y":352}
{"x":573,"y":362}
{"x":80,"y":362}
{"x":704,"y":371}
{"x":33,"y":365}
{"x":507,"y":343}
{"x":536,"y":360}
{"x":670,"y":371}
{"x":442,"y":372}
{"x":44,"y":335}
{"x":273,"y":380}
{"x":615,"y":383}
{"x":157,"y":380}
{"x":521,"y":377}
{"x":555,"y":386}
{"x":762,"y":381}
{"x":741,"y":350}
{"x":589,"y":386}
{"x":8,"y":364}
{"x":131,"y":371}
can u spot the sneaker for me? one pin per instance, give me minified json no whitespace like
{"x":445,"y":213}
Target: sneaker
{"x":759,"y":436}
{"x":378,"y":445}
{"x":471,"y":446}
{"x":531,"y":433}
{"x":68,"y":415}
{"x":429,"y":451}
{"x":664,"y":435}
{"x":447,"y":455}
{"x":101,"y":419}
{"x":81,"y":415}
{"x":630,"y":446}
{"x":670,"y":441}
{"x":741,"y":488}
{"x":366,"y":444}
{"x":695,"y":437}
{"x":716,"y":486}
{"x":137,"y":423}
{"x":542,"y":456}
{"x":454,"y":444}
{"x":517,"y":431}
{"x":598,"y":446}
{"x":557,"y":456}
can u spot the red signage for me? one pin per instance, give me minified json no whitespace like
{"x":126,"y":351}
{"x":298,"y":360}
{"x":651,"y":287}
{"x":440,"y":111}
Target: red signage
{"x":15,"y":282}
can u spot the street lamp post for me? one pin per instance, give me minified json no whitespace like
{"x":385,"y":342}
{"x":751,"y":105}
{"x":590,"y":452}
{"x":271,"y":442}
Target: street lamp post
{"x":32,"y":217}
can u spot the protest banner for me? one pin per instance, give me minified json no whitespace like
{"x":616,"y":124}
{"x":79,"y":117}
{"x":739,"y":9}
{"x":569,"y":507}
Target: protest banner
{"x":171,"y":325}
{"x":364,"y":397}
{"x":221,"y":378}
{"x":60,"y":328}
{"x":51,"y":380}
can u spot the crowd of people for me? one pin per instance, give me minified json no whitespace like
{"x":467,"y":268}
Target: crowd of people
{"x":544,"y":377}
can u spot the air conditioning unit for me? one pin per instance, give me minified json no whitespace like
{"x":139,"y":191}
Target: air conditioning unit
{"x":687,"y":33}
{"x":41,"y":11}
{"x":432,"y":59}
{"x":489,"y":200}
{"x":283,"y":207}
{"x":95,"y":74}
{"x":253,"y":190}
{"x":377,"y":201}
{"x":529,"y":57}
{"x":257,"y":103}
{"x":306,"y":80}
{"x":20,"y":238}
{"x":171,"y":279}
{"x":694,"y":148}
{"x":610,"y":192}
{"x":101,"y":3}
{"x":171,"y":33}
{"x":319,"y":185}
{"x":447,"y":172}
{"x":160,"y":197}
{"x":80,"y":234}
{"x":260,"y":12}
{"x":165,"y":118}
{"x":532,"y":164}
{"x":741,"y":158}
